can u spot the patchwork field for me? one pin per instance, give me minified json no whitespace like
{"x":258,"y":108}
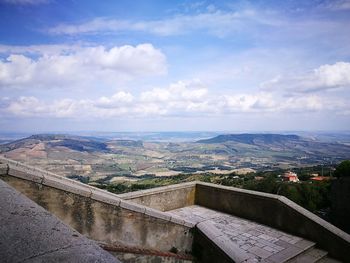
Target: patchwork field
{"x":109,"y":160}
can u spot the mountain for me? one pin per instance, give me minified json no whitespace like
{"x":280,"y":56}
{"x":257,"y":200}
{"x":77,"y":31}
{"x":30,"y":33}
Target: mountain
{"x":72,"y":155}
{"x":252,"y":138}
{"x":125,"y":159}
{"x":127,"y":143}
{"x":76,"y":143}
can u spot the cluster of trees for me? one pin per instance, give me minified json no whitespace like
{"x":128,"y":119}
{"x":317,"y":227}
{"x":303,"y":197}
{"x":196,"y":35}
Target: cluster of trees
{"x":313,"y":196}
{"x":343,"y":169}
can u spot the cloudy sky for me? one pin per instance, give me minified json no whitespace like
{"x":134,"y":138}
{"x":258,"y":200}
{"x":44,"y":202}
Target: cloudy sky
{"x":174,"y":65}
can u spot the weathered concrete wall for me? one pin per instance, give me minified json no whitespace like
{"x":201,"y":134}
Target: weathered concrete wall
{"x":275,"y":211}
{"x":100,"y":215}
{"x":164,"y":198}
{"x":29,"y":233}
{"x":206,"y":251}
{"x":3,"y":169}
{"x":106,"y":217}
{"x":340,"y":196}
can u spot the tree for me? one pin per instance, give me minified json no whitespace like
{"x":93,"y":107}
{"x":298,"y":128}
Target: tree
{"x":343,"y":169}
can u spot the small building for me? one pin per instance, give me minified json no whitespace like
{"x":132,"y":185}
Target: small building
{"x":290,"y":177}
{"x":320,"y":178}
{"x":258,"y":178}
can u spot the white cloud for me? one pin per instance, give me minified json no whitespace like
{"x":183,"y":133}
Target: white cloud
{"x":181,"y":99}
{"x":324,"y":78}
{"x":336,"y":5}
{"x":80,"y":67}
{"x":26,"y":2}
{"x":332,"y":76}
{"x":213,"y":21}
{"x":27,"y":106}
{"x":191,"y":91}
{"x":40,"y":49}
{"x":118,"y":98}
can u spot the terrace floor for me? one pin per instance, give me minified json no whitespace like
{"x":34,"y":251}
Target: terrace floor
{"x":257,"y":242}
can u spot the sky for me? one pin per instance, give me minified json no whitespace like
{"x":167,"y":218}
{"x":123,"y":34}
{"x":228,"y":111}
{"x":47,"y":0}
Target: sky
{"x":74,"y":65}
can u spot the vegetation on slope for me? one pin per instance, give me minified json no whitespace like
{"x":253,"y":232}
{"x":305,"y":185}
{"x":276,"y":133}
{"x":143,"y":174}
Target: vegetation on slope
{"x":314,"y":196}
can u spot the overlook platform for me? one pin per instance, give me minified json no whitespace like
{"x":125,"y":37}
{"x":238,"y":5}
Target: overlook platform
{"x":248,"y":241}
{"x":186,"y":222}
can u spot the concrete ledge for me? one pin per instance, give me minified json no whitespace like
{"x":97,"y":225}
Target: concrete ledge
{"x":67,"y":186}
{"x":223,"y":188}
{"x":287,"y":202}
{"x":177,"y":220}
{"x":41,"y":177}
{"x":209,"y":230}
{"x":21,"y":172}
{"x":234,"y":252}
{"x":156,"y":190}
{"x":275,"y":211}
{"x":157,"y":214}
{"x":30,"y":234}
{"x":225,"y":246}
{"x":164,"y":198}
{"x":132,"y":207}
{"x":3,"y":169}
{"x":315,"y":218}
{"x":104,"y":197}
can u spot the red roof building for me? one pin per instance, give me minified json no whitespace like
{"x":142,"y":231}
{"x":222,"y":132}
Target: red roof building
{"x":290,"y":177}
{"x":320,"y":178}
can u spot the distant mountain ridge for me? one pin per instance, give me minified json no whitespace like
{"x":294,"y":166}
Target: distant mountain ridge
{"x":107,"y":158}
{"x":73,"y":142}
{"x":250,"y":138}
{"x":77,"y":143}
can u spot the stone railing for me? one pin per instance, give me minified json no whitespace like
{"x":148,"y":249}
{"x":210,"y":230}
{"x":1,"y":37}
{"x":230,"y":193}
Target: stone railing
{"x":275,"y":211}
{"x":101,"y":215}
{"x":164,"y":198}
{"x":136,"y":219}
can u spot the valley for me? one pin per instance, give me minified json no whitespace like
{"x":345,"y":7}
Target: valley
{"x":111,"y":160}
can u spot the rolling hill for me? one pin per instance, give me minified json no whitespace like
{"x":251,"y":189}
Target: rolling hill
{"x":126,"y":159}
{"x":248,"y":138}
{"x":76,"y":143}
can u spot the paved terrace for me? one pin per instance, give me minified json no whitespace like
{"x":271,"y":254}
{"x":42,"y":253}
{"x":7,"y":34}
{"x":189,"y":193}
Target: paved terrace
{"x":216,"y":223}
{"x":250,"y":241}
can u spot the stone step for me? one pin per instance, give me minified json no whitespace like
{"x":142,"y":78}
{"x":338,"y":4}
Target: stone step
{"x":328,"y":260}
{"x":309,"y":256}
{"x":291,"y":252}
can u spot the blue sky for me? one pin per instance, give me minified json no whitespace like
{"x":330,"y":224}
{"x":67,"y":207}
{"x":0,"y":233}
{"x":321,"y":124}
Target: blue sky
{"x":174,"y":65}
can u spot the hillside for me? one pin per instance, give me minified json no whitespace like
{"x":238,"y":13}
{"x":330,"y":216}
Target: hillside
{"x":104,"y":160}
{"x":252,"y":138}
{"x":76,"y":143}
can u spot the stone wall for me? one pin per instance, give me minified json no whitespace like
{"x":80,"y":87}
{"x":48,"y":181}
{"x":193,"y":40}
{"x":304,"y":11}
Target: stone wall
{"x":98,"y":214}
{"x":164,"y":198}
{"x":31,"y":234}
{"x":205,"y":250}
{"x":340,"y":196}
{"x":126,"y":218}
{"x":275,"y":211}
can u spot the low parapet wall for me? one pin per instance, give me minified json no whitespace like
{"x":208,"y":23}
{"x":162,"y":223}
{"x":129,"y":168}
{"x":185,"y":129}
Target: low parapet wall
{"x":275,"y":211}
{"x":112,"y":218}
{"x":31,"y":234}
{"x":98,"y":214}
{"x":164,"y":198}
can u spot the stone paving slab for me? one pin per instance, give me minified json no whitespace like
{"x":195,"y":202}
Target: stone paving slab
{"x":310,"y":256}
{"x":260,"y":242}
